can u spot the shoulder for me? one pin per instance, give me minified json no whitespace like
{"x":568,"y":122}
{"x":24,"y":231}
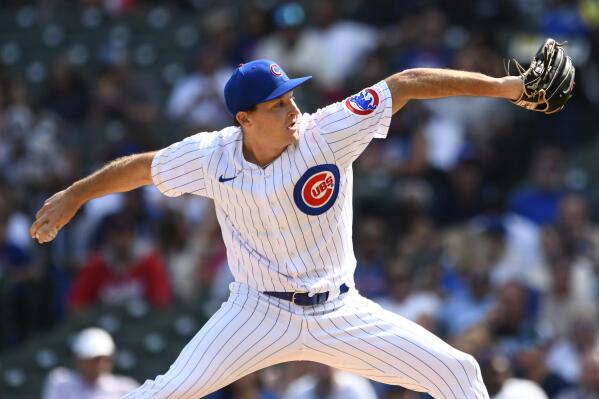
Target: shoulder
{"x":221,"y":138}
{"x":224,"y":142}
{"x":202,"y":144}
{"x":359,"y":106}
{"x":61,"y":376}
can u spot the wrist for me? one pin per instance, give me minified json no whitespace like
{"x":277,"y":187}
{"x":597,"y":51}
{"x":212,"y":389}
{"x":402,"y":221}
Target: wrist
{"x":513,"y":87}
{"x":75,"y":194}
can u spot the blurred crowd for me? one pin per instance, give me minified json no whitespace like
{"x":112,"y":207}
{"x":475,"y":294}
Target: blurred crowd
{"x":473,"y":217}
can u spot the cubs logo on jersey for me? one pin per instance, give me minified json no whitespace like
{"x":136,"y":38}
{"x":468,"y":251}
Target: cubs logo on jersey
{"x":363,"y":103}
{"x":275,"y":70}
{"x":317,"y":189}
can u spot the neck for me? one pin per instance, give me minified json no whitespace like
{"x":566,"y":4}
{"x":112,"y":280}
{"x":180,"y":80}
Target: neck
{"x":261,"y":153}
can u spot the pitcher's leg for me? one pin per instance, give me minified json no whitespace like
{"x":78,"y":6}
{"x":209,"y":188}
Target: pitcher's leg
{"x":242,"y":337}
{"x":365,"y":339}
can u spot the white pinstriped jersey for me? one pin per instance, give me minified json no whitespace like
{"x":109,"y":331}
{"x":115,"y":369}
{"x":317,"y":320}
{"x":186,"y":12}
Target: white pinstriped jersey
{"x":287,"y":226}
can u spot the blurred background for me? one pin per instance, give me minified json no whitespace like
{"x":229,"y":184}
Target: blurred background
{"x":474,"y":218}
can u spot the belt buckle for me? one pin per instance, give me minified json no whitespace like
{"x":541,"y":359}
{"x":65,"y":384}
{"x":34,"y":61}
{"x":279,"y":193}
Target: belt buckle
{"x":293,"y":297}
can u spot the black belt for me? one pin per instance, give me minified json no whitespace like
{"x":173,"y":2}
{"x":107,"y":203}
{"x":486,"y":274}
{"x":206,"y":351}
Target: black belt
{"x":303,"y":299}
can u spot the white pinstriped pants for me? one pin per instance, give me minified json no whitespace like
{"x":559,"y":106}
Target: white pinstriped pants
{"x":252,"y":331}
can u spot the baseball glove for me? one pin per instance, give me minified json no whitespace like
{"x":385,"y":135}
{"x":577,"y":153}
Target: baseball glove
{"x":548,"y":81}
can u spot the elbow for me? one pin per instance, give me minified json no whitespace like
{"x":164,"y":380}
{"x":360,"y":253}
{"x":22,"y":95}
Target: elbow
{"x":400,"y":86}
{"x":407,"y":75}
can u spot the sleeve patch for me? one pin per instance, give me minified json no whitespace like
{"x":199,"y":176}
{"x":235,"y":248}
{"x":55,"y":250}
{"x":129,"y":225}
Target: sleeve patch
{"x":363,"y":103}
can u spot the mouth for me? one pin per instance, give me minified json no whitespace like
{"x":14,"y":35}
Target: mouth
{"x":292,"y":125}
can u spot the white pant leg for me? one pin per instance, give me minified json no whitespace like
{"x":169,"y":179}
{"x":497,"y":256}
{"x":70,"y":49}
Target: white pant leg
{"x":246,"y":334}
{"x":363,"y":338}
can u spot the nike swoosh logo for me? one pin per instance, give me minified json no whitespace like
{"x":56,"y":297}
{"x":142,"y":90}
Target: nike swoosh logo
{"x":223,"y":179}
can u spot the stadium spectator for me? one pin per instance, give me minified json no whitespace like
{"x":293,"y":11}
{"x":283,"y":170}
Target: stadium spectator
{"x":67,"y":93}
{"x":249,"y":387}
{"x":295,"y":46}
{"x":539,"y":200}
{"x":461,"y":197}
{"x":197,"y":99}
{"x":530,"y":363}
{"x":423,"y":44}
{"x":59,"y":115}
{"x":370,"y":253}
{"x":589,"y":380}
{"x":511,"y":319}
{"x":501,"y":384}
{"x":571,"y":292}
{"x":565,"y":355}
{"x":324,"y":382}
{"x":93,"y":350}
{"x":422,"y":246}
{"x":121,"y":94}
{"x":333,"y":33}
{"x":19,"y":278}
{"x":182,"y":253}
{"x":420,"y":306}
{"x":124,"y":269}
{"x":467,"y":304}
{"x":574,"y":222}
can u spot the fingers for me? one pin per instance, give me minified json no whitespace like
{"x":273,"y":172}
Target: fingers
{"x":46,"y":233}
{"x":35,"y":227}
{"x":40,"y":219}
{"x":53,"y":215}
{"x":44,"y":230}
{"x":45,"y":227}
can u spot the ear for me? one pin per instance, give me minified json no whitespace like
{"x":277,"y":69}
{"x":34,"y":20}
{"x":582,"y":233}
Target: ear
{"x":243,"y":118}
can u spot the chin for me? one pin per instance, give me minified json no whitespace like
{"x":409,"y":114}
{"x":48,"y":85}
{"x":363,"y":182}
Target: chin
{"x":295,"y":138}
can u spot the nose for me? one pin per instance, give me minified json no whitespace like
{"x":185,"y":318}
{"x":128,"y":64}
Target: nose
{"x":294,"y":109}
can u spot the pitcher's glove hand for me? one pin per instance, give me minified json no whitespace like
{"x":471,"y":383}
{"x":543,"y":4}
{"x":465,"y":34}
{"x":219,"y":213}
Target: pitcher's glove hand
{"x":548,"y":81}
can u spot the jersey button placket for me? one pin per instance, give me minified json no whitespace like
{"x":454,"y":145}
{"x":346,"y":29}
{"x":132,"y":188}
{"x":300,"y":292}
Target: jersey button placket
{"x":268,"y":202}
{"x":268,"y":182}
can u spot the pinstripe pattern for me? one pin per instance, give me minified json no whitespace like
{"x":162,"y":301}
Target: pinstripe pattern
{"x":272,"y":245}
{"x":252,"y":331}
{"x":275,"y":243}
{"x":403,"y":352}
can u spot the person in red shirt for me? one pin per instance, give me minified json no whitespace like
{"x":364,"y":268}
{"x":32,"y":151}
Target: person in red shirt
{"x":123,"y":269}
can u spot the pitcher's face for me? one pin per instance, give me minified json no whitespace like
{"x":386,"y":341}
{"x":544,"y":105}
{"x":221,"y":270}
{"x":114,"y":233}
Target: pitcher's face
{"x":277,"y":120}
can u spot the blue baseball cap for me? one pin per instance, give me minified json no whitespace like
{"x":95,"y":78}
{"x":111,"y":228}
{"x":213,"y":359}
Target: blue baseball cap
{"x":256,"y":82}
